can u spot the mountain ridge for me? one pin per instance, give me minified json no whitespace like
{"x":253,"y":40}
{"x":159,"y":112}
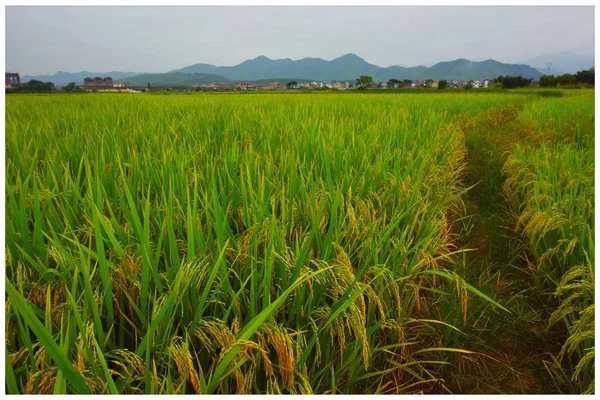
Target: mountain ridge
{"x":349,"y":66}
{"x":346,"y":67}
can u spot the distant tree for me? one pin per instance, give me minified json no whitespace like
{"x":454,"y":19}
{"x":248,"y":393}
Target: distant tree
{"x":37,"y":86}
{"x":567,"y":79}
{"x":511,"y":82}
{"x":406,"y":82}
{"x":548,"y":80}
{"x":394,"y":83}
{"x":442,"y":84}
{"x":70,"y":87}
{"x":364,"y":81}
{"x":586,"y":77}
{"x":429,"y":82}
{"x":291,"y":84}
{"x":468,"y":86}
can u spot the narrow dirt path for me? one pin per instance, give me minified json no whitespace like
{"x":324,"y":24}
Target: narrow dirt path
{"x":498,"y":268}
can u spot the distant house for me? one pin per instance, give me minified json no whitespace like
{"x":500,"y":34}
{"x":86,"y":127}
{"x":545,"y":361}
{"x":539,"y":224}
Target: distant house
{"x":120,"y":85}
{"x":98,"y":83}
{"x":12,"y":80}
{"x":461,"y":83}
{"x":215,"y":87}
{"x":245,"y":86}
{"x":223,"y":87}
{"x":275,"y":85}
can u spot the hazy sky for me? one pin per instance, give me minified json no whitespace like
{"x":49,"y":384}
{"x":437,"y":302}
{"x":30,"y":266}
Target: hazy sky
{"x":42,"y":40}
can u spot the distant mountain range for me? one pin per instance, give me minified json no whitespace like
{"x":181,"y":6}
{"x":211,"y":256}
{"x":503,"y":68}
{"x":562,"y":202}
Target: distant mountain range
{"x":351,"y":66}
{"x":347,"y":67}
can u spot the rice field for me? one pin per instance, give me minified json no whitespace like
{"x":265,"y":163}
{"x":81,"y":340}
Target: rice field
{"x":277,"y":243}
{"x":551,"y":188}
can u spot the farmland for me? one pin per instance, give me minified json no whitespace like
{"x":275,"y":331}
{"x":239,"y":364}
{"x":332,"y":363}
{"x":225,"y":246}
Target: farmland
{"x":300,"y":243}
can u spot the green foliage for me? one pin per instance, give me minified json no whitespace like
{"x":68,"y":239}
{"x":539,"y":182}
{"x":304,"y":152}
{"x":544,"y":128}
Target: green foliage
{"x":512,"y":82}
{"x":551,"y":80}
{"x":363,"y":81}
{"x":394,"y":83}
{"x":443,"y":84}
{"x":35,"y":86}
{"x":582,"y":77}
{"x":70,"y":87}
{"x":587,"y":77}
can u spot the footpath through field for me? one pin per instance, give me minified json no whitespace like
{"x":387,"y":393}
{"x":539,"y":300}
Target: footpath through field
{"x":497,"y":267}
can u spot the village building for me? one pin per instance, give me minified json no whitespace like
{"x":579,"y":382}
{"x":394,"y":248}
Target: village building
{"x":12,"y":80}
{"x":245,"y":86}
{"x":98,"y":83}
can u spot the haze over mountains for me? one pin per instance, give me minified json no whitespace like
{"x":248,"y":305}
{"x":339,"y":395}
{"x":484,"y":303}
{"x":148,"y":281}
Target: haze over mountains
{"x":561,"y":63}
{"x":346,"y":67}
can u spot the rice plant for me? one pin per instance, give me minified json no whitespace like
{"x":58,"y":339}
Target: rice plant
{"x":551,"y":188}
{"x":234,"y":243}
{"x":223,"y":244}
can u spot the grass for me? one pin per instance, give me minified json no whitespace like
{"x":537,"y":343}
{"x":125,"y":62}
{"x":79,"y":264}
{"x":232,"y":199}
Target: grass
{"x":275,"y":243}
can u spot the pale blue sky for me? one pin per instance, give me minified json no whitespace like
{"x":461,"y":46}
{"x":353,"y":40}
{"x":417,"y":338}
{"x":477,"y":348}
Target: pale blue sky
{"x":43,"y":40}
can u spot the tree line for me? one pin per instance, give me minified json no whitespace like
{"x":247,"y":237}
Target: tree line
{"x":35,"y":86}
{"x":585,"y":77}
